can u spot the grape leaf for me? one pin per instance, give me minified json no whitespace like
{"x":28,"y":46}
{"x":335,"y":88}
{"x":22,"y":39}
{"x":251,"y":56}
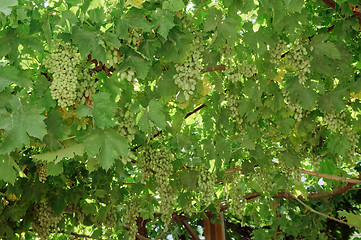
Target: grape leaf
{"x":7,"y":171}
{"x":9,"y":74}
{"x":134,"y":20}
{"x":163,"y":20}
{"x":173,"y":5}
{"x":351,"y":218}
{"x":107,"y":145}
{"x":17,"y":125}
{"x":56,"y":156}
{"x":102,"y":111}
{"x":6,"y":4}
{"x":55,"y":169}
{"x":155,"y":113}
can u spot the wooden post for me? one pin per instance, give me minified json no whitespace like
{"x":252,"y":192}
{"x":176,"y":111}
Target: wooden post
{"x":214,"y":231}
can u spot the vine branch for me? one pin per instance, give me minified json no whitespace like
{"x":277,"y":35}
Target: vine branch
{"x":325,"y":215}
{"x":337,"y":178}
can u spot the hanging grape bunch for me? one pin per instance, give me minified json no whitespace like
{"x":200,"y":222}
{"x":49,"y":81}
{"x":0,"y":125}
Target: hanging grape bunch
{"x":158,"y":161}
{"x":62,"y":64}
{"x":45,"y":220}
{"x":277,"y":52}
{"x":232,"y":72}
{"x":233,"y":104}
{"x":86,"y":83}
{"x":206,"y":181}
{"x":248,"y":70}
{"x":135,"y":37}
{"x":238,"y":203}
{"x":128,"y":75}
{"x":42,"y":171}
{"x":294,"y":107}
{"x":189,"y":72}
{"x":130,"y":217}
{"x":299,"y":60}
{"x":112,"y":56}
{"x":127,"y":124}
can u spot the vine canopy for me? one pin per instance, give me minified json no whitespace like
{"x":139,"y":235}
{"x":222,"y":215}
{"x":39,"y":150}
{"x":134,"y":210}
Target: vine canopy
{"x":124,"y":119}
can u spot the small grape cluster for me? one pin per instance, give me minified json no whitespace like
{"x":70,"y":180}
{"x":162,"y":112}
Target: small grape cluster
{"x":336,"y":123}
{"x":277,"y":51}
{"x":294,"y":107}
{"x":232,"y":72}
{"x":126,"y":125}
{"x":86,"y":84}
{"x":263,"y":179}
{"x":42,"y":171}
{"x":206,"y":182}
{"x":128,"y":75}
{"x":248,"y":70}
{"x":45,"y":220}
{"x":233,"y":104}
{"x":135,"y":37}
{"x":298,"y":59}
{"x":290,"y":172}
{"x":130,"y":217}
{"x":238,"y":203}
{"x":62,"y":63}
{"x":159,"y":161}
{"x":189,"y":72}
{"x":113,"y":57}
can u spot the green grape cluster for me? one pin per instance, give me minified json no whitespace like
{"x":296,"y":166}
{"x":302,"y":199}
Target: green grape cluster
{"x":336,"y":123}
{"x":290,"y":172}
{"x":135,"y":37}
{"x":130,"y":217}
{"x":238,"y":203}
{"x":262,"y":177}
{"x":112,"y":57}
{"x":86,"y":84}
{"x":42,"y":171}
{"x":298,"y":59}
{"x":294,"y":107}
{"x":233,"y":105}
{"x":232,"y":72}
{"x":277,"y":51}
{"x":248,"y":70}
{"x":128,"y":75}
{"x":206,"y":182}
{"x":62,"y":63}
{"x":45,"y":220}
{"x":127,"y":124}
{"x":189,"y":72}
{"x":159,"y":161}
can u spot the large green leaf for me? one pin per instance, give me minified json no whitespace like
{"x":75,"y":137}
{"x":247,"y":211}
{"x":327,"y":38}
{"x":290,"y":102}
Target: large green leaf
{"x":164,"y":21}
{"x":6,"y":4}
{"x":56,"y":156}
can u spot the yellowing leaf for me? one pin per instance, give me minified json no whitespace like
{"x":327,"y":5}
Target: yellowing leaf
{"x":135,"y":3}
{"x":207,"y":86}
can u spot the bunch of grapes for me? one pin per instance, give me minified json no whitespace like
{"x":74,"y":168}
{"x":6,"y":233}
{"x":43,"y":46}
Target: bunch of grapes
{"x":290,"y":172}
{"x":336,"y":123}
{"x":130,"y":217}
{"x":233,"y":104}
{"x":126,"y":125}
{"x":298,"y":59}
{"x":86,"y":84}
{"x":206,"y":182}
{"x":232,"y":72}
{"x":159,"y":161}
{"x":135,"y":37}
{"x":112,"y":56}
{"x":45,"y":220}
{"x":238,"y":203}
{"x":189,"y":72}
{"x":128,"y":75}
{"x":248,"y":70}
{"x":294,"y":107}
{"x":62,"y":63}
{"x":277,"y":51}
{"x":42,"y":171}
{"x":262,"y":177}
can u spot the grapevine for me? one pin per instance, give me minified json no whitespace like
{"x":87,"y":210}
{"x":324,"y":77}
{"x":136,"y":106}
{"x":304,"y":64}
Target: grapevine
{"x":299,"y":60}
{"x":232,"y":72}
{"x":233,"y":104}
{"x":126,"y":125}
{"x":238,"y":203}
{"x":45,"y":220}
{"x":298,"y":111}
{"x":189,"y":72}
{"x":247,"y":69}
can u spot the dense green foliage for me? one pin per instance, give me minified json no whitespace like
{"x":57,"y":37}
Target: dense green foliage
{"x":118,"y":119}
